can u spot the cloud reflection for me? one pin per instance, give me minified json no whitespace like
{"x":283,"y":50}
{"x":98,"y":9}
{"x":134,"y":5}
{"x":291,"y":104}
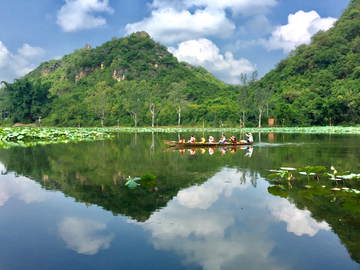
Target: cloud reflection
{"x":213,"y":238}
{"x":21,"y":187}
{"x":298,"y":221}
{"x":204,"y":196}
{"x":82,"y":235}
{"x":221,"y":235}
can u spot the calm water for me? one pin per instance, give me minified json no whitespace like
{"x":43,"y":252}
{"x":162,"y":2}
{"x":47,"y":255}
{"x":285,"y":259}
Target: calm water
{"x":66,"y":206}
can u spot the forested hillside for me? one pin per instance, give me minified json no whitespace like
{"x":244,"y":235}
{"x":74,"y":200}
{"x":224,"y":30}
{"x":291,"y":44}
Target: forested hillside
{"x":133,"y":79}
{"x":322,"y":80}
{"x":136,"y":81}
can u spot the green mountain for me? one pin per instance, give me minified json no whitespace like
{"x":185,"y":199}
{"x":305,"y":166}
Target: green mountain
{"x":320,"y":82}
{"x":120,"y":72}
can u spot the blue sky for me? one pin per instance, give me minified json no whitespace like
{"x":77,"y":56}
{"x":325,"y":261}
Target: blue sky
{"x":226,"y":37}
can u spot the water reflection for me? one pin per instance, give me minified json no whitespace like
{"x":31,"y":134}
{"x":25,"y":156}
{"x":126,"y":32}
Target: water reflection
{"x":218,"y":235}
{"x":211,"y":150}
{"x":210,"y":210}
{"x":83,"y":235}
{"x":20,"y":187}
{"x":298,"y":221}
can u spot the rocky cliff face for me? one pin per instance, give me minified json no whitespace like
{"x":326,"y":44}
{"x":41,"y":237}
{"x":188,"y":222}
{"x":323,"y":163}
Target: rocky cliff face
{"x":47,"y":71}
{"x":119,"y":75}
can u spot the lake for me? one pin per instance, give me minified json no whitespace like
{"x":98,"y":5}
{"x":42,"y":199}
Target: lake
{"x":66,"y":206}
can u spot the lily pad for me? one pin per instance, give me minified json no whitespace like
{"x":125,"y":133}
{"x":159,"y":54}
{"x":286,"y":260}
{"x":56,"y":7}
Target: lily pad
{"x":310,"y":170}
{"x":277,"y":191}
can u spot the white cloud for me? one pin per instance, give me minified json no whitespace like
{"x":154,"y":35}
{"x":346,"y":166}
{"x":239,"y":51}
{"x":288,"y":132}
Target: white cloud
{"x":29,"y":52}
{"x":21,"y":187}
{"x":203,"y":52}
{"x":4,"y":55}
{"x":17,"y":65}
{"x":78,"y":14}
{"x":168,"y":25}
{"x":245,"y":7}
{"x":299,"y":30}
{"x":176,"y":21}
{"x":81,"y":235}
{"x":298,"y":221}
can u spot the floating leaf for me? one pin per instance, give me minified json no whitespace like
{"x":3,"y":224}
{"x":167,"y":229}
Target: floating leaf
{"x":277,"y":191}
{"x":351,"y":176}
{"x":288,"y":169}
{"x":310,"y":169}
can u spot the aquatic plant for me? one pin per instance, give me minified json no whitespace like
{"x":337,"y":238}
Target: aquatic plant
{"x":10,"y":137}
{"x":311,"y":170}
{"x":131,"y":182}
{"x":278,"y":190}
{"x":336,"y":174}
{"x":282,"y":174}
{"x":146,"y":180}
{"x":308,"y":130}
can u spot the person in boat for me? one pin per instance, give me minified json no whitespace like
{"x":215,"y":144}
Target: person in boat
{"x":192,"y":139}
{"x":202,"y":139}
{"x":223,"y":139}
{"x":233,"y":139}
{"x":249,"y":137}
{"x":211,"y":139}
{"x":182,"y":140}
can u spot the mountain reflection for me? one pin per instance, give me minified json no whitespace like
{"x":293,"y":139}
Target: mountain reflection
{"x":223,"y":235}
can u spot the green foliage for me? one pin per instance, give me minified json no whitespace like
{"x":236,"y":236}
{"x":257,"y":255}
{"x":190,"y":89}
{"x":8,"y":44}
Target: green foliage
{"x":319,"y":82}
{"x":28,"y":100}
{"x":24,"y":137}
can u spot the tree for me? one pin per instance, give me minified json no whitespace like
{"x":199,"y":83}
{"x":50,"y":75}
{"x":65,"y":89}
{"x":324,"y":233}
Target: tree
{"x":98,"y":98}
{"x":177,"y":96}
{"x":262,"y":95}
{"x":28,"y":99}
{"x":134,"y":98}
{"x":243,"y":96}
{"x":154,"y":102}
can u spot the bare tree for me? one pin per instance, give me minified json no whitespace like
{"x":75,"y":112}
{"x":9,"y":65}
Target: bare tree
{"x":243,"y":97}
{"x":154,"y":103}
{"x":178,"y":97}
{"x":134,"y":98}
{"x":262,"y":96}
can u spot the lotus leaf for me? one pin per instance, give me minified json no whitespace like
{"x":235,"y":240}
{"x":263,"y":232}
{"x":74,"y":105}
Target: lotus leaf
{"x":310,"y":169}
{"x":277,"y":191}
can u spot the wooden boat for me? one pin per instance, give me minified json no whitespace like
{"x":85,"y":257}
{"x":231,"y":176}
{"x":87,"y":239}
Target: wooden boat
{"x":199,"y":145}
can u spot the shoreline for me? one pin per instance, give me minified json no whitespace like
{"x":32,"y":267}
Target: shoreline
{"x":294,"y":130}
